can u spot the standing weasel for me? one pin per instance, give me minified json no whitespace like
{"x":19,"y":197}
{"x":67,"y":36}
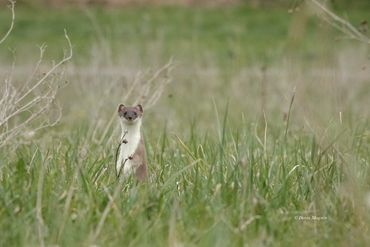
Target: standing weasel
{"x":131,"y":154}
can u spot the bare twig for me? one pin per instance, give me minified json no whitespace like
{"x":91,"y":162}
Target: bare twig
{"x":28,"y":106}
{"x":35,"y":70}
{"x":47,"y":74}
{"x":339,"y":23}
{"x":155,"y":93}
{"x":12,"y":5}
{"x":146,"y":89}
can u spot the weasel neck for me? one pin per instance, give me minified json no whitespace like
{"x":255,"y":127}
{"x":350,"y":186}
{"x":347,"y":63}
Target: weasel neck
{"x":130,"y":129}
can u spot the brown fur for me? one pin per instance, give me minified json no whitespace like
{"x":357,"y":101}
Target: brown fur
{"x":139,"y":158}
{"x":124,"y":111}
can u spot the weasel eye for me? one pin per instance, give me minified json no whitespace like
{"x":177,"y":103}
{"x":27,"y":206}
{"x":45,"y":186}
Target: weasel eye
{"x":125,"y":114}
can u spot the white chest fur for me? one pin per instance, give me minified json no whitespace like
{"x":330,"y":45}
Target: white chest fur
{"x":130,"y":141}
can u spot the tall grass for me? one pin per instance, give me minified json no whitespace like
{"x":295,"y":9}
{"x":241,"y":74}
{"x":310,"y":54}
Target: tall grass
{"x":202,"y":191}
{"x":233,"y":159}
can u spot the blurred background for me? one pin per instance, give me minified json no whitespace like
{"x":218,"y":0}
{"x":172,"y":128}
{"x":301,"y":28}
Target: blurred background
{"x":254,"y":3}
{"x":247,"y":56}
{"x":255,"y":112}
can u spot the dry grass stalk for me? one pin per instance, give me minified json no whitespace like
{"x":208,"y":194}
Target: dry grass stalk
{"x":339,"y":23}
{"x":40,"y":221}
{"x":12,"y":6}
{"x":27,"y":108}
{"x":146,"y":89}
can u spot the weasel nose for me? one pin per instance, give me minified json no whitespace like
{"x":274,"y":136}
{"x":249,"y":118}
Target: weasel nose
{"x":129,"y":118}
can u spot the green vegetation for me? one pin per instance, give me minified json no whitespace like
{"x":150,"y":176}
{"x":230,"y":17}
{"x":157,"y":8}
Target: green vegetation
{"x":206,"y":191}
{"x":226,"y":35}
{"x":230,"y":162}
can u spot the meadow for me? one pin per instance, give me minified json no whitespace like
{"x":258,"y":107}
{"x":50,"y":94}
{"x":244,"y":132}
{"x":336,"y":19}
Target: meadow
{"x":256,"y":125}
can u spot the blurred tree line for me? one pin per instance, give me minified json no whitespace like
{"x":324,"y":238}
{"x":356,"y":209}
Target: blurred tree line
{"x":253,"y":3}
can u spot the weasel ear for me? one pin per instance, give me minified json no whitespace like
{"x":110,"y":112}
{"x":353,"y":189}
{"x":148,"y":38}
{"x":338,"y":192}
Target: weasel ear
{"x":121,"y":107}
{"x":140,"y":107}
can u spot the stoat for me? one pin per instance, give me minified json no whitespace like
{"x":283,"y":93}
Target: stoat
{"x":131,"y":154}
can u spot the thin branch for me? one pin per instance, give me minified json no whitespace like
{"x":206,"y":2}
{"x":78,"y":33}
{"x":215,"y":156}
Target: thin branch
{"x":4,"y":137}
{"x":35,"y":99}
{"x":12,"y":5}
{"x":64,"y":60}
{"x":150,"y":85}
{"x":345,"y":26}
{"x":36,"y":68}
{"x":23,"y":108}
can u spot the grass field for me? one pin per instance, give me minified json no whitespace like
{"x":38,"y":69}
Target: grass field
{"x":262,"y":137}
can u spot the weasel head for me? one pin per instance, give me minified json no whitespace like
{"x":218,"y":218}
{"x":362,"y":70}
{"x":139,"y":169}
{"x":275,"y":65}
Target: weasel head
{"x":130,"y":115}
